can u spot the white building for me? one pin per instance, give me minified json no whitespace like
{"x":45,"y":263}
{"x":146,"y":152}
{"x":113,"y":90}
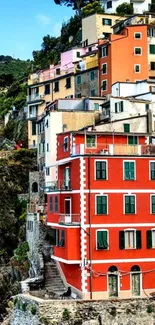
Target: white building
{"x":138,"y":6}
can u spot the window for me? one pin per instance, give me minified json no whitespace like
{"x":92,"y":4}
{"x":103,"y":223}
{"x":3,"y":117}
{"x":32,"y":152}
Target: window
{"x":102,"y":239}
{"x":78,"y":95}
{"x":152,"y":49}
{"x":92,"y":93}
{"x":106,"y":21}
{"x":127,"y":128}
{"x":39,"y":148}
{"x":137,"y":68}
{"x":30,"y":225}
{"x":90,"y":141}
{"x":104,"y":85}
{"x":43,"y":147}
{"x":104,"y":68}
{"x":152,"y":170}
{"x":138,"y":51}
{"x":103,"y":51}
{"x":101,"y":170}
{"x":152,"y":203}
{"x":152,"y":66}
{"x":56,"y":204}
{"x":151,"y":32}
{"x":56,"y":86}
{"x":67,"y":178}
{"x":46,"y":124}
{"x":101,"y":204}
{"x":34,"y":143}
{"x":132,"y":140}
{"x":150,"y":238}
{"x":109,"y":4}
{"x":47,"y":147}
{"x":78,"y":54}
{"x":129,"y":170}
{"x":129,"y":239}
{"x":62,"y":240}
{"x":51,"y":203}
{"x":65,"y":144}
{"x":57,"y":71}
{"x":137,"y":35}
{"x":91,"y":75}
{"x":47,"y":89}
{"x":33,"y":128}
{"x":57,"y":237}
{"x":119,"y":107}
{"x":35,"y":187}
{"x":96,"y":107}
{"x":78,"y":80}
{"x":47,"y":171}
{"x":68,"y":83}
{"x":146,"y":107}
{"x":130,"y":204}
{"x":89,"y":49}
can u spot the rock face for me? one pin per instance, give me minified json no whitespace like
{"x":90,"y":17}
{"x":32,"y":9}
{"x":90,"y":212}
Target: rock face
{"x":31,"y":310}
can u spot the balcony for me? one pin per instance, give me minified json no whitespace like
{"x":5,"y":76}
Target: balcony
{"x":35,"y":98}
{"x":69,"y":219}
{"x":114,"y":149}
{"x":35,"y":208}
{"x":57,"y":186}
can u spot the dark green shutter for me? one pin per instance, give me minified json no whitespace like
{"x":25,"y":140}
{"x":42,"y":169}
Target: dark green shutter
{"x":153,"y":203}
{"x":121,"y":106}
{"x":126,"y":170}
{"x":152,"y":49}
{"x":115,"y":107}
{"x":98,"y":170}
{"x":104,"y":204}
{"x":132,"y":204}
{"x":62,"y":241}
{"x":132,"y":170}
{"x":149,"y":238}
{"x":127,"y":204}
{"x":103,"y":168}
{"x":69,"y":178}
{"x":127,"y":128}
{"x":105,"y":239}
{"x":51,"y":201}
{"x":152,"y":170}
{"x":99,"y":240}
{"x":138,"y":239}
{"x":99,"y":209}
{"x":121,"y":240}
{"x":65,"y":177}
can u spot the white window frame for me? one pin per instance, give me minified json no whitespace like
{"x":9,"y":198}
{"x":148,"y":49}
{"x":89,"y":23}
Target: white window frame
{"x":139,"y":34}
{"x":65,"y":150}
{"x":135,"y":68}
{"x":101,"y":160}
{"x":104,"y":56}
{"x":96,"y":204}
{"x":151,"y":204}
{"x":152,"y":230}
{"x":86,"y":141}
{"x":106,"y":85}
{"x":106,"y":68}
{"x":124,"y":203}
{"x":127,"y":160}
{"x":150,"y":161}
{"x":137,"y":47}
{"x":107,"y":238}
{"x":127,"y":230}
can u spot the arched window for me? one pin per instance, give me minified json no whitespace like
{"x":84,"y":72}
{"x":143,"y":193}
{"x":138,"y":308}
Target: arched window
{"x":135,"y":268}
{"x":112,"y":269}
{"x":35,"y":187}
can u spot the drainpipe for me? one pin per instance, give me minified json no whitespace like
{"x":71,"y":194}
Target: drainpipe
{"x":90,"y":228}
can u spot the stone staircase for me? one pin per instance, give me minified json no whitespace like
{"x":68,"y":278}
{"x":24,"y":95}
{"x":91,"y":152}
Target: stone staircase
{"x":53,"y":281}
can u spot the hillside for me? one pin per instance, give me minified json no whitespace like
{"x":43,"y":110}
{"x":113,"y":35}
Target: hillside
{"x":11,"y":68}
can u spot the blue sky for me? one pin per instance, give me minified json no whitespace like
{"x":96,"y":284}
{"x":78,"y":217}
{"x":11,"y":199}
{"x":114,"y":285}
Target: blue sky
{"x":23,"y":24}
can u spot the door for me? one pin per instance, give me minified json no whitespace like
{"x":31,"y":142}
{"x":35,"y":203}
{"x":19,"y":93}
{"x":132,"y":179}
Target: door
{"x":113,"y":285}
{"x":67,"y":178}
{"x":135,"y":280}
{"x":68,"y":209}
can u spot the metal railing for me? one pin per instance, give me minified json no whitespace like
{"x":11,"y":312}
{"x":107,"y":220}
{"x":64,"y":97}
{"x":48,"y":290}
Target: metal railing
{"x":35,"y":97}
{"x":57,"y":186}
{"x":69,"y":219}
{"x":36,"y":208}
{"x":113,"y":149}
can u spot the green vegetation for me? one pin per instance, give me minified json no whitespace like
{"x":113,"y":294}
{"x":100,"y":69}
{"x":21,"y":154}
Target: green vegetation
{"x":66,"y":314}
{"x":124,"y":9}
{"x":13,"y":68}
{"x":75,"y":4}
{"x":33,"y":309}
{"x":150,"y":309}
{"x":92,"y":8}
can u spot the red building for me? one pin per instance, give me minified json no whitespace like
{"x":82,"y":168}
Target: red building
{"x":102,"y":208}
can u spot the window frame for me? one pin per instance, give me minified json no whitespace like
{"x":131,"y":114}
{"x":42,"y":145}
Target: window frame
{"x":150,"y":48}
{"x":90,"y":75}
{"x":101,"y":214}
{"x":65,"y":147}
{"x":78,"y":84}
{"x":68,"y":86}
{"x":106,"y":80}
{"x":135,"y":68}
{"x":94,"y":147}
{"x":124,"y":204}
{"x":109,"y":7}
{"x":51,"y":204}
{"x":107,"y":231}
{"x":45,"y":89}
{"x":124,"y":161}
{"x":102,"y":50}
{"x":56,"y":89}
{"x":108,"y":20}
{"x":106,"y":68}
{"x":137,"y":37}
{"x":101,"y":160}
{"x":137,"y":47}
{"x":151,"y":161}
{"x":151,"y":195}
{"x":133,"y":230}
{"x":56,"y":204}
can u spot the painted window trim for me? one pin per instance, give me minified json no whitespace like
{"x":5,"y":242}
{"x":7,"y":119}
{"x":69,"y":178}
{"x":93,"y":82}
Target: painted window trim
{"x":107,"y":239}
{"x":96,"y":214}
{"x":131,"y":229}
{"x":151,"y":161}
{"x":136,"y":37}
{"x":101,"y":160}
{"x":138,"y":47}
{"x":127,"y":160}
{"x":103,"y":74}
{"x":135,"y":68}
{"x":127,"y":214}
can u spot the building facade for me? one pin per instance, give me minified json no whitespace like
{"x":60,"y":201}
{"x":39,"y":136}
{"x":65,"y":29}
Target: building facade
{"x":102,"y":208}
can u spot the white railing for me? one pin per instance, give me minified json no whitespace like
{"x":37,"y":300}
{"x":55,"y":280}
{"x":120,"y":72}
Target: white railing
{"x":69,"y":218}
{"x":57,"y":186}
{"x":113,"y":149}
{"x":35,"y":97}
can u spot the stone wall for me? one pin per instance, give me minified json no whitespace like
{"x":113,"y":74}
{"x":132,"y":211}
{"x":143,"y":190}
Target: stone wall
{"x":80,"y":312}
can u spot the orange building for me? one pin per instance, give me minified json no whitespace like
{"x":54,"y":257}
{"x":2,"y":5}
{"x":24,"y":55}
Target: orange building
{"x":123,"y":57}
{"x":102,"y":208}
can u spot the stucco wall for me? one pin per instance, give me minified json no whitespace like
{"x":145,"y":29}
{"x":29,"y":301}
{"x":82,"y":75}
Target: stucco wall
{"x":86,"y":85}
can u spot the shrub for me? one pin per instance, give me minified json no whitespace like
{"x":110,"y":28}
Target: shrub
{"x":113,"y":311}
{"x":66,"y":314}
{"x":150,"y":309}
{"x":124,"y":9}
{"x":15,"y":301}
{"x":24,"y":305}
{"x":33,"y":309}
{"x":44,"y":320}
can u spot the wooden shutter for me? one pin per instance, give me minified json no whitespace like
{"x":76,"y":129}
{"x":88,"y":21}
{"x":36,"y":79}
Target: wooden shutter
{"x":98,"y":170}
{"x":149,"y":238}
{"x":99,"y":206}
{"x":152,"y":170}
{"x":126,"y":170}
{"x":132,"y":204}
{"x":51,"y":205}
{"x":153,"y":203}
{"x":121,"y":240}
{"x":127,"y":204}
{"x":121,"y":106}
{"x":132,"y":170}
{"x":138,"y":239}
{"x":104,"y":204}
{"x":64,"y":176}
{"x":105,"y":239}
{"x":103,"y":169}
{"x":99,"y":240}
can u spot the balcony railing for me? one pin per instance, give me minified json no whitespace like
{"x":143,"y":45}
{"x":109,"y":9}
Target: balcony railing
{"x":35,"y":208}
{"x":69,"y":219}
{"x":32,"y":115}
{"x":35,"y":97}
{"x":114,"y":149}
{"x":57,"y":186}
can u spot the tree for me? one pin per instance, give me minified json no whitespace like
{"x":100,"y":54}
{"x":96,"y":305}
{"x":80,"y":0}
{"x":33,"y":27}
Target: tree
{"x":75,"y":4}
{"x":124,"y":9}
{"x":92,"y":8}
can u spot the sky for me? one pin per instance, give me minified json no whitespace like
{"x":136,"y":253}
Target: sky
{"x":23,"y":24}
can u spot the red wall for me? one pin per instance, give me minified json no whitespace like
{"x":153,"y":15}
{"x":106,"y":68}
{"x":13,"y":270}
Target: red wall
{"x":72,"y":274}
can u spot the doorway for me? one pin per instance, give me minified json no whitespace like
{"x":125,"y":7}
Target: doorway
{"x":113,"y":281}
{"x":135,"y":280}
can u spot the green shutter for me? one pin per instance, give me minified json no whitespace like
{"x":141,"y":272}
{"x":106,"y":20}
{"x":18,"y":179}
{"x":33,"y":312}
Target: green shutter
{"x":115,"y":107}
{"x":99,"y":240}
{"x":51,"y":207}
{"x":127,"y":204}
{"x":69,"y":178}
{"x":132,"y":204}
{"x":105,"y":239}
{"x":127,"y":128}
{"x":132,"y":170}
{"x":104,"y":204}
{"x":121,"y":240}
{"x":149,"y":238}
{"x":126,"y":170}
{"x":133,"y":140}
{"x":62,"y":241}
{"x":99,"y":210}
{"x":152,"y":170}
{"x":152,"y":49}
{"x":138,"y":239}
{"x":98,"y":170}
{"x":153,"y":203}
{"x":65,"y":177}
{"x":103,"y":168}
{"x":121,"y":106}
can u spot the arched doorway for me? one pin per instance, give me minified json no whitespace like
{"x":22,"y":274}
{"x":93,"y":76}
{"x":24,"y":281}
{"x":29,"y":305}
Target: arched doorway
{"x":113,"y":281}
{"x":35,"y":187}
{"x":135,"y":280}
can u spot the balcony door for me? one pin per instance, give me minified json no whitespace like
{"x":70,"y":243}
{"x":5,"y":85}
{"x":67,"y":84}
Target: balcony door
{"x":68,"y":209}
{"x":67,"y":178}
